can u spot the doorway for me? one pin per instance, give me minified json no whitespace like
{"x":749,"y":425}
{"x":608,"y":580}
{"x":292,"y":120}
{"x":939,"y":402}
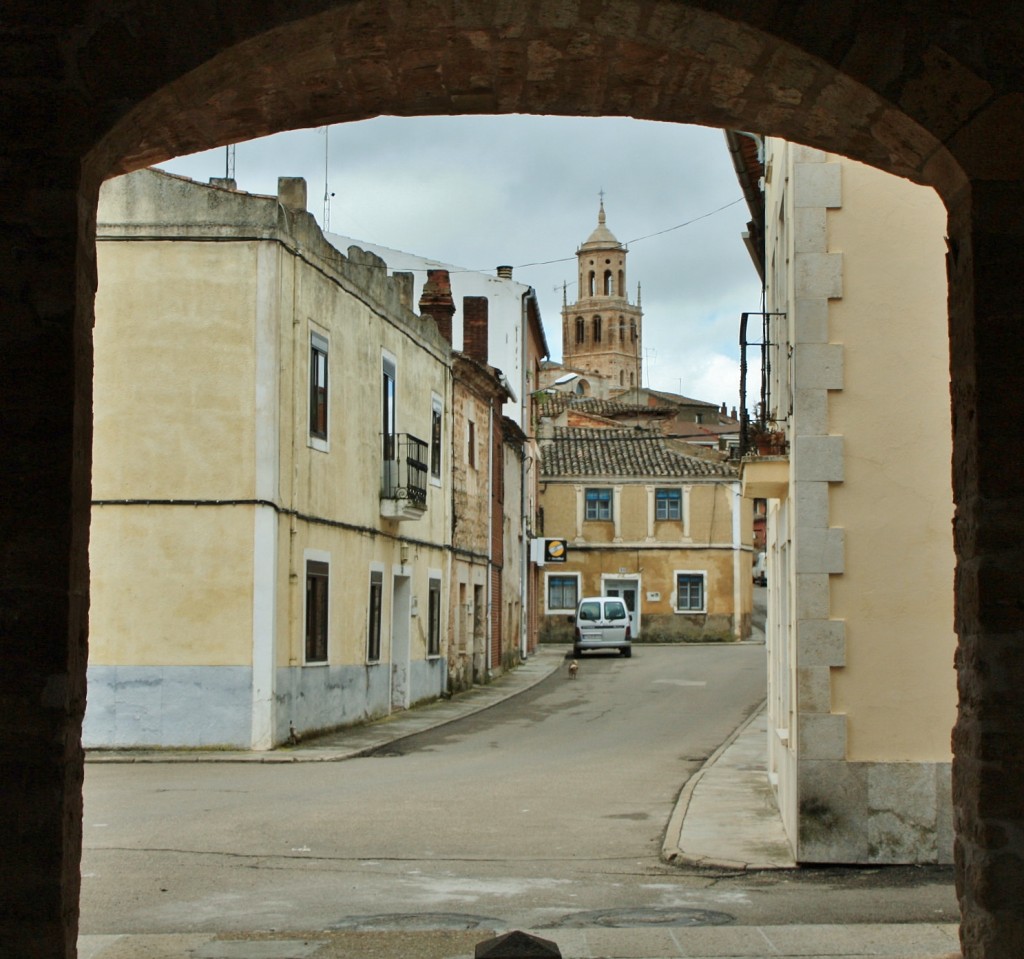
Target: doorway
{"x":401,"y":609}
{"x":629,"y":589}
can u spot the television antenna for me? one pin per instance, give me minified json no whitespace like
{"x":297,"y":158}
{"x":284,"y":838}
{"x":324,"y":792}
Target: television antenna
{"x":327,"y":189}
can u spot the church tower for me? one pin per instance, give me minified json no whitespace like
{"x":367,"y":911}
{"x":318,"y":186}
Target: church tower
{"x":601,"y":331}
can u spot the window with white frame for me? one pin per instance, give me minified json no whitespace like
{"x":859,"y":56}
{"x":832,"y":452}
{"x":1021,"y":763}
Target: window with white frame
{"x":388,"y":402}
{"x":668,"y":504}
{"x":434,"y":617}
{"x":317,"y":591}
{"x":318,"y":394}
{"x":436,"y":431}
{"x":690,"y":592}
{"x":563,"y":592}
{"x":598,"y":503}
{"x":376,"y":608}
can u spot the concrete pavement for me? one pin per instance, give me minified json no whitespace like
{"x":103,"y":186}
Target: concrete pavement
{"x":725,"y":817}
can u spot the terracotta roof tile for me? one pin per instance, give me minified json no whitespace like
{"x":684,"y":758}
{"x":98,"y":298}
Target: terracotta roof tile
{"x":554,"y":403}
{"x":621,"y":452}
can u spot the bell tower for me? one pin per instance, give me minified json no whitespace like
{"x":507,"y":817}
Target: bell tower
{"x":602,"y":330}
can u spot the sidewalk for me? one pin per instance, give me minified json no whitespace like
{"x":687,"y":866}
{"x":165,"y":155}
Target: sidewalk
{"x":356,"y":741}
{"x":725,"y":817}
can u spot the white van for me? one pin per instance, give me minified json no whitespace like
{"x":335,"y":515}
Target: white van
{"x":602,"y":622}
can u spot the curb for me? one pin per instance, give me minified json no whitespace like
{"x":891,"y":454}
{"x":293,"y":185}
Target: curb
{"x":381,"y":731}
{"x":670,"y":851}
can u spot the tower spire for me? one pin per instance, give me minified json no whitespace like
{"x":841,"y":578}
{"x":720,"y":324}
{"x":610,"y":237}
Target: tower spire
{"x":602,"y":330}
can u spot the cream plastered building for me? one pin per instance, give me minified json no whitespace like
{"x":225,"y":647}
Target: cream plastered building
{"x":271,"y":487}
{"x":496,"y":320}
{"x":862,"y":696}
{"x":667,"y":531}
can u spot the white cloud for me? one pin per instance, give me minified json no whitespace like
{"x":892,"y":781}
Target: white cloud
{"x":484,"y":191}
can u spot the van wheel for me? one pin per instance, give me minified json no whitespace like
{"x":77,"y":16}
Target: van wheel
{"x":577,"y":652}
{"x":627,"y":652}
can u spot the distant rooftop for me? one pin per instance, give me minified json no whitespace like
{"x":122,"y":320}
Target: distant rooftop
{"x":577,"y":451}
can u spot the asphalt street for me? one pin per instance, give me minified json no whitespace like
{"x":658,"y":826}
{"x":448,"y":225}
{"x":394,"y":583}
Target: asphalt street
{"x":547,"y":811}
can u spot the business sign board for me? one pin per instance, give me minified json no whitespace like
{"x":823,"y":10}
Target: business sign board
{"x":544,"y":551}
{"x":555,"y":550}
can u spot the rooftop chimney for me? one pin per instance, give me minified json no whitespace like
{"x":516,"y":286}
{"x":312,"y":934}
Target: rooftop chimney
{"x":474,"y":327}
{"x":436,"y":301}
{"x":404,"y":282}
{"x":505,"y":272}
{"x":224,"y":182}
{"x":291,"y":192}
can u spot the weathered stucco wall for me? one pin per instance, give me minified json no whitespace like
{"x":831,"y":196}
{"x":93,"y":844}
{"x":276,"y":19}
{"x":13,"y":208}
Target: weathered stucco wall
{"x":212,"y":493}
{"x":896,"y":500}
{"x":653,"y":552}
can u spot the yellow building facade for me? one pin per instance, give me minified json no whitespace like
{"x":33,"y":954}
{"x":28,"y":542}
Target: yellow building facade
{"x":668,"y":531}
{"x":271,"y":485}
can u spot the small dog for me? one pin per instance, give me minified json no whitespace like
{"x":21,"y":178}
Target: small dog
{"x":574,"y":668}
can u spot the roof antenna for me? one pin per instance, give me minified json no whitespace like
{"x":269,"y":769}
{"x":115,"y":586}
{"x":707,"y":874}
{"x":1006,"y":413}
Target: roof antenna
{"x":327,"y":190}
{"x":229,"y":162}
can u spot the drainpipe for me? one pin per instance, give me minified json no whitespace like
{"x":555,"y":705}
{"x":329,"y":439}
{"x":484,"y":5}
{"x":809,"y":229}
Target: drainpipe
{"x":737,"y":585}
{"x":524,"y":554}
{"x":488,"y":658}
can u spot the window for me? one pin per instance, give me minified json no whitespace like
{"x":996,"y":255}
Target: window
{"x":690,"y":592}
{"x":599,"y":504}
{"x":607,"y":282}
{"x":563,"y":593}
{"x":376,"y":604}
{"x":317,"y":386}
{"x":317,"y":581}
{"x":436,"y":414}
{"x":471,"y":443}
{"x":388,"y":417}
{"x":580,"y":329}
{"x":668,"y":504}
{"x":597,"y":329}
{"x":434,"y":618}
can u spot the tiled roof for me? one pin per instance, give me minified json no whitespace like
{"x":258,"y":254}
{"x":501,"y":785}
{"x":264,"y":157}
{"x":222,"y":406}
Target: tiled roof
{"x":620,"y":452}
{"x":554,"y":403}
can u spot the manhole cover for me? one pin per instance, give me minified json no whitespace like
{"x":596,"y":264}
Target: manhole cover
{"x":417,"y":922}
{"x":655,"y":916}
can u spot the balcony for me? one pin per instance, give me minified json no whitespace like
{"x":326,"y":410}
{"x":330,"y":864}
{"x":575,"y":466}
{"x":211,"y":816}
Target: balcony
{"x":403,"y":492}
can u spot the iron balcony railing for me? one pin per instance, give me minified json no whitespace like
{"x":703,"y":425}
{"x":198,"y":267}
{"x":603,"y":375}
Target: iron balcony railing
{"x":749,"y":430}
{"x":405,"y":469}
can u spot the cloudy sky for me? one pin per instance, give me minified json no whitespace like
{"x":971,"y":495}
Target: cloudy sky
{"x":477,"y":192}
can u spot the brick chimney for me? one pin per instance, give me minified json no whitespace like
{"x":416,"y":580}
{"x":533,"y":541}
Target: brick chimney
{"x":436,"y":301}
{"x":505,"y":272}
{"x":474,"y":327}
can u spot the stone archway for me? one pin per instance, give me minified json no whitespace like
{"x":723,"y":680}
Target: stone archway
{"x":929,"y":94}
